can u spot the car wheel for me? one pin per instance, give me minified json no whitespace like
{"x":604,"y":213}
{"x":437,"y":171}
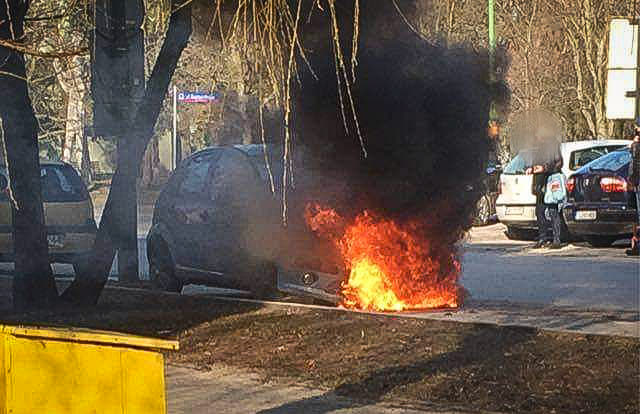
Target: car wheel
{"x":565,"y":237}
{"x":161,"y":269}
{"x":516,"y":233}
{"x":483,"y":212}
{"x":601,"y":241}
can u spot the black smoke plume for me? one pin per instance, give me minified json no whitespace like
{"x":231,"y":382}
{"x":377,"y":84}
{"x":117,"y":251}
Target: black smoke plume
{"x":423,"y":112}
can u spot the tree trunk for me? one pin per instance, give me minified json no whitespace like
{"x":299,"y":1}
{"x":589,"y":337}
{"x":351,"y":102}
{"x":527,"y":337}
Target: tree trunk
{"x":87,"y":286}
{"x":34,"y":285}
{"x":72,"y":144}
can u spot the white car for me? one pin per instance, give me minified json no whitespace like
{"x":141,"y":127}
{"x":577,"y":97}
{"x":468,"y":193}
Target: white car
{"x":516,"y":203}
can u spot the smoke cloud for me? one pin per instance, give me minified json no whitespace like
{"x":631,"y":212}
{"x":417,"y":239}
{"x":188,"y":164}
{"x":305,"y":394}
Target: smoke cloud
{"x":423,"y":112}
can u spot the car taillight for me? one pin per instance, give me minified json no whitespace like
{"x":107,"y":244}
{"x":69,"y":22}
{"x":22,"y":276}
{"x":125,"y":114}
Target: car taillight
{"x":613,"y":184}
{"x":571,"y":184}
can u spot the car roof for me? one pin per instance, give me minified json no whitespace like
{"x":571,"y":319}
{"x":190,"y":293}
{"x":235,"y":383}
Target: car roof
{"x":253,"y":151}
{"x":43,"y":162}
{"x":578,"y":145}
{"x":591,"y":143}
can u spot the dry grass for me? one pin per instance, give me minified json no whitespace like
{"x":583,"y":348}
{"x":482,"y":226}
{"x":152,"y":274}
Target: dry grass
{"x":380,"y":357}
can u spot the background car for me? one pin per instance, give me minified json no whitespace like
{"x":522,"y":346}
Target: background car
{"x":68,"y":214}
{"x":601,"y":205}
{"x":516,"y":203}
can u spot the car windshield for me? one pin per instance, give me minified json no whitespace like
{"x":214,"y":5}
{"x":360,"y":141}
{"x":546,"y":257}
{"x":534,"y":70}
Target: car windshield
{"x":60,"y":183}
{"x":613,"y":161}
{"x":518,"y":164}
{"x":580,"y":158}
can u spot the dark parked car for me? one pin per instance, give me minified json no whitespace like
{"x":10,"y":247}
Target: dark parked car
{"x":217,"y":223}
{"x":601,"y":203}
{"x":201,"y":223}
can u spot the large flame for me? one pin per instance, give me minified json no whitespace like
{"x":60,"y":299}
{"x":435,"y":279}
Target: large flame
{"x":388,"y":264}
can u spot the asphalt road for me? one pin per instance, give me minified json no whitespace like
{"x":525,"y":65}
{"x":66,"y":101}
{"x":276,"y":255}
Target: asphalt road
{"x":497,"y":269}
{"x":606,"y":282}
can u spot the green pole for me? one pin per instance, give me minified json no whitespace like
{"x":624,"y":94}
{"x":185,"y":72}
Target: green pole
{"x":492,"y":37}
{"x":492,"y":52}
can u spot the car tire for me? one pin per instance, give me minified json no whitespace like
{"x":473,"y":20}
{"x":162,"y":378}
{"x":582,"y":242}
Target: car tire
{"x":516,"y":233}
{"x":161,"y":268}
{"x":483,"y":212}
{"x":601,"y":241}
{"x":565,"y":236}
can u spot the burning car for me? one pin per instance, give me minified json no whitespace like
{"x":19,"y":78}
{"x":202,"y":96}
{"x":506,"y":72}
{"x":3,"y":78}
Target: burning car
{"x":369,"y":210}
{"x":217,"y":223}
{"x":212,"y":221}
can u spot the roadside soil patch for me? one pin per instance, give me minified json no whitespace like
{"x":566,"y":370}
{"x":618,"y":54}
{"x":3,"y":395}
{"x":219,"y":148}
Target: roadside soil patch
{"x":378,"y":358}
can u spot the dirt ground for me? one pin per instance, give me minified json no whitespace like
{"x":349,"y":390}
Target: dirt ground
{"x":376,"y":358}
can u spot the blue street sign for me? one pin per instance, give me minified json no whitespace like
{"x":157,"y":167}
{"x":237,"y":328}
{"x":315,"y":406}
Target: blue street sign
{"x":197,"y":97}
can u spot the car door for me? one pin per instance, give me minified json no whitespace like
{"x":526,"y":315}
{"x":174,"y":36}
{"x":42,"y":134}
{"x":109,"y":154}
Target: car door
{"x":235,"y":192}
{"x":187,"y":210}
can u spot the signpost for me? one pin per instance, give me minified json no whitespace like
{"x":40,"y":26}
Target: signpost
{"x":185,"y":97}
{"x":622,"y":96}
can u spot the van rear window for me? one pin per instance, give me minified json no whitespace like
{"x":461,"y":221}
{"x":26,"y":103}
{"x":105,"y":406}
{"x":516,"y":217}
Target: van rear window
{"x":60,"y":183}
{"x":518,"y":164}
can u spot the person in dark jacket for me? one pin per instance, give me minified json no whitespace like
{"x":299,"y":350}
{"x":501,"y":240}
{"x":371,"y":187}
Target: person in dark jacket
{"x":634,"y":180}
{"x":546,"y":160}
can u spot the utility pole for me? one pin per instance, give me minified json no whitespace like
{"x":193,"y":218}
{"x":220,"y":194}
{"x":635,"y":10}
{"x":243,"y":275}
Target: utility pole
{"x":118,"y":86}
{"x":493,"y":129}
{"x":492,"y":39}
{"x":492,"y":56}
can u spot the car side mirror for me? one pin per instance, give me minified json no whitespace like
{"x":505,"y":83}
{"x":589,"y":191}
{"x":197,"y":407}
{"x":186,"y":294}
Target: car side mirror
{"x":4,"y":183}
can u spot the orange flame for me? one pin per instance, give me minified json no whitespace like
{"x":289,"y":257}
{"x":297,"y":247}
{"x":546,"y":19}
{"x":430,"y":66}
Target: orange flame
{"x":388,"y":264}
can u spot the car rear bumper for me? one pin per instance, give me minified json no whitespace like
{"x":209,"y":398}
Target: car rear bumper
{"x":611,"y":219}
{"x":76,"y":242}
{"x":517,"y":215}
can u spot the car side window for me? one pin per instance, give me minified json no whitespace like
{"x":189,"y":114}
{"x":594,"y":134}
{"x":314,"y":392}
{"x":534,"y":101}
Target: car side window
{"x":195,"y":176}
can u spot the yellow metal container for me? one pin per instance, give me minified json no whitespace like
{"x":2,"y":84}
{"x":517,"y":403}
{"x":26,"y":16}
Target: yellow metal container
{"x":50,"y":371}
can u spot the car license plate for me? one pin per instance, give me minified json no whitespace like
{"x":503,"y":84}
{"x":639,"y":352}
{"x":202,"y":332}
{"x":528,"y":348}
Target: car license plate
{"x":55,"y":241}
{"x":515,"y":211}
{"x":586,"y":215}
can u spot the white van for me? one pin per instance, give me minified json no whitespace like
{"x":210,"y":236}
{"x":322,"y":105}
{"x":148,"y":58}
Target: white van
{"x":516,"y":203}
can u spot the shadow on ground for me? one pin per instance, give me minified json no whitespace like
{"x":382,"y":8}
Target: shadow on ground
{"x":383,"y":382}
{"x":134,"y":311}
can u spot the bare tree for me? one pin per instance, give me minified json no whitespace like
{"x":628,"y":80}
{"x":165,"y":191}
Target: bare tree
{"x":72,"y":73}
{"x":88,"y":285}
{"x":585,"y":28}
{"x":33,"y":285}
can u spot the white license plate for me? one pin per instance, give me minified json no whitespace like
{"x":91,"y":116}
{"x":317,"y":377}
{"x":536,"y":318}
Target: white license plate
{"x":586,"y":215}
{"x":55,"y":241}
{"x":515,"y":211}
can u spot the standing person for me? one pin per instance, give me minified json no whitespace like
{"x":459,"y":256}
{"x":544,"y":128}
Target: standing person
{"x":634,"y":180}
{"x":546,"y":160}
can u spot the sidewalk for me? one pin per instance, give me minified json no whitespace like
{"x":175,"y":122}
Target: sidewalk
{"x":225,"y":390}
